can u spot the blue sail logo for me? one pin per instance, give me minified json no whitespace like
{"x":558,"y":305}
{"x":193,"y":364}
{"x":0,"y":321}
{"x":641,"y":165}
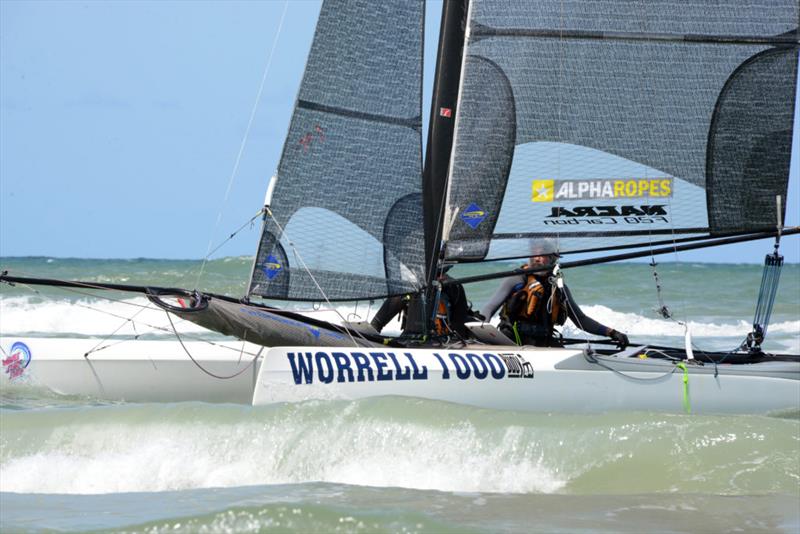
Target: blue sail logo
{"x":473,"y":215}
{"x":272,"y":267}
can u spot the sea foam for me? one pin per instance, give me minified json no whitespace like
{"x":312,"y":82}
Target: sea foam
{"x":87,"y":317}
{"x":390,"y":442}
{"x":173,"y":450}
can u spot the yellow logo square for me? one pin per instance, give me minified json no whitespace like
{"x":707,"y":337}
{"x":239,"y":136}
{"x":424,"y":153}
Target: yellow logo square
{"x":542,"y":190}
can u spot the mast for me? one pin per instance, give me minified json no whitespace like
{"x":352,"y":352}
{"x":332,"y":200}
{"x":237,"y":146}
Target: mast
{"x":442,"y":126}
{"x":437,"y":156}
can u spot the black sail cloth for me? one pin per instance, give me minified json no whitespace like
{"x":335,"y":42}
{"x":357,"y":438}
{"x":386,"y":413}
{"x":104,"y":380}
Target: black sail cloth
{"x":612,"y":122}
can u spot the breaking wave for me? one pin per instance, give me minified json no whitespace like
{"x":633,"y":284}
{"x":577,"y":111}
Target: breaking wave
{"x":391,"y":442}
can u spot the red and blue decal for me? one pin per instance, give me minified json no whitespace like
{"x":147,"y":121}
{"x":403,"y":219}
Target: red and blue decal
{"x":18,"y":359}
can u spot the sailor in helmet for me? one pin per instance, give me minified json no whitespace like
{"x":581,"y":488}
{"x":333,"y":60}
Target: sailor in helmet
{"x":534,"y":304}
{"x":453,"y":310}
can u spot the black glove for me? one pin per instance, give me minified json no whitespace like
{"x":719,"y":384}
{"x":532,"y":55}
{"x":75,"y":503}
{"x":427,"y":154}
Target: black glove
{"x":477,"y":316}
{"x":620,"y":338}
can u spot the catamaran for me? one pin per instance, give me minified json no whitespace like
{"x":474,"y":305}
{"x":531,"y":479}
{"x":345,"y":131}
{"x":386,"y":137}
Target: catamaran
{"x":617,"y":130}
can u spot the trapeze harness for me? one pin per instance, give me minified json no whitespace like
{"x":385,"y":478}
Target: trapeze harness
{"x":395,"y":305}
{"x":441,"y":321}
{"x":532,"y":311}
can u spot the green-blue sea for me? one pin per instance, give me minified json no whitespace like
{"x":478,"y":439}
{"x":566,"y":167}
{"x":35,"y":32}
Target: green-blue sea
{"x":70,"y":464}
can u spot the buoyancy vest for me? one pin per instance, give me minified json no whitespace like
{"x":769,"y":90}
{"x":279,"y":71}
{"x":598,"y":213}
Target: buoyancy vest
{"x":528,"y":303}
{"x":442,"y":319}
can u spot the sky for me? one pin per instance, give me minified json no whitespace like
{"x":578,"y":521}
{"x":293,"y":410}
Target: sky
{"x":126,"y":132}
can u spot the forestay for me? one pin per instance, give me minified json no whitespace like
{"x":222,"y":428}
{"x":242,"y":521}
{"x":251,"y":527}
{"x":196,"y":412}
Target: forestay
{"x":347,"y":202}
{"x":615,"y":122}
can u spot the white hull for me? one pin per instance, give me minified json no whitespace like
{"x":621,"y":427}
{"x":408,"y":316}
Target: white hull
{"x":547,"y":380}
{"x":138,"y":371}
{"x":559,"y":380}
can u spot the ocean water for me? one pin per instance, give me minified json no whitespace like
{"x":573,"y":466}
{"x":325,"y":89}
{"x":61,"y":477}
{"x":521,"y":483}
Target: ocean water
{"x":74,"y":464}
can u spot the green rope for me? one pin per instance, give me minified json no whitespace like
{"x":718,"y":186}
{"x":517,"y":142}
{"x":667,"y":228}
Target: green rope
{"x":516,"y":333}
{"x":686,"y":404}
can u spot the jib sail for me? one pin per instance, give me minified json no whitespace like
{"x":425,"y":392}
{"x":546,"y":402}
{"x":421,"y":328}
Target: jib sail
{"x":347,"y":201}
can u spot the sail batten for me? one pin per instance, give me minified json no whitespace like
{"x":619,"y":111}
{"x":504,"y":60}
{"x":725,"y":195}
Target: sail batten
{"x":785,"y":38}
{"x":676,"y":231}
{"x":414,"y":122}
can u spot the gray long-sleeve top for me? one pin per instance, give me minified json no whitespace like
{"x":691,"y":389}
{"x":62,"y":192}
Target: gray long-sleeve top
{"x":574,"y":312}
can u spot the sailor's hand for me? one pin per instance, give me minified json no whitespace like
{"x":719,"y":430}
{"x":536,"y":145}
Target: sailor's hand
{"x":620,"y":338}
{"x":478,"y":316}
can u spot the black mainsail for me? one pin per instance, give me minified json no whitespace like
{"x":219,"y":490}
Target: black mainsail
{"x":614,"y":123}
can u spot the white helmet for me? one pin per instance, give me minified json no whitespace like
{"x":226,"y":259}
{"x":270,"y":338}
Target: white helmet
{"x":544,"y":246}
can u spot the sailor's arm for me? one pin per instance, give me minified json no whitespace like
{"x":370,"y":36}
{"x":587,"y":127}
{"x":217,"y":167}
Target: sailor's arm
{"x":390,"y":307}
{"x":500,"y":295}
{"x":587,"y":324}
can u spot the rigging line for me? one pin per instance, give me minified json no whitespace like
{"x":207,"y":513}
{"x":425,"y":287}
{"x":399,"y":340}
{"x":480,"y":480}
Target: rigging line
{"x":139,"y":289}
{"x":313,"y":279}
{"x":98,"y":348}
{"x":713,"y":361}
{"x":127,"y":320}
{"x":26,"y":286}
{"x":619,"y":257}
{"x":87,"y":285}
{"x":600,"y":361}
{"x":663,"y":309}
{"x":560,"y":104}
{"x":107,"y":337}
{"x":439,"y":234}
{"x":677,"y":261}
{"x":199,"y":366}
{"x":160,"y":328}
{"x":72,"y":290}
{"x":154,"y":327}
{"x":662,"y":353}
{"x":610,"y":233}
{"x":133,"y":324}
{"x":313,"y":309}
{"x":682,"y":296}
{"x":354,"y":314}
{"x":141,"y":307}
{"x":148,"y":306}
{"x":608,"y":248}
{"x":244,"y":139}
{"x":242,"y":227}
{"x":577,"y":320}
{"x":241,"y":351}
